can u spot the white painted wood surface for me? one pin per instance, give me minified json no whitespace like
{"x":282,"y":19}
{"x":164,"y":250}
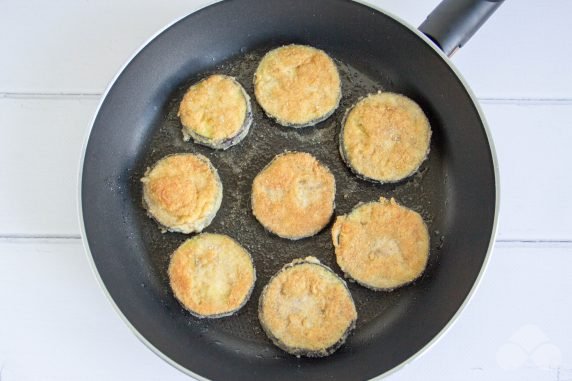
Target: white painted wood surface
{"x":57,"y":57}
{"x":76,"y":47}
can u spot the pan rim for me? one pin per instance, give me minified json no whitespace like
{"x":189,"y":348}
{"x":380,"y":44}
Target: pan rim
{"x":431,"y":342}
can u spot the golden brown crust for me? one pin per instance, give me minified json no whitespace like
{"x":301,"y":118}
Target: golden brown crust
{"x":306,"y":308}
{"x":297,"y":85}
{"x":385,"y":137}
{"x":211,"y":275}
{"x":381,"y":245}
{"x":293,"y":196}
{"x":182,"y":192}
{"x":214,"y":109}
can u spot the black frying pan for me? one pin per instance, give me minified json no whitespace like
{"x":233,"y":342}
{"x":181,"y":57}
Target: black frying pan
{"x":455,"y":191}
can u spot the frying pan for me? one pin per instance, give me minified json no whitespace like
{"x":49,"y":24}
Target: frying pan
{"x":456,"y":190}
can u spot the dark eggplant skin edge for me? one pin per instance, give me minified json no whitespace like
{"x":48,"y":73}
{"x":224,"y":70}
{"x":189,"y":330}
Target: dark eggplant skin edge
{"x":304,"y":125}
{"x":231,"y":141}
{"x":351,"y":279}
{"x":348,"y":163}
{"x":290,"y":237}
{"x":298,"y":352}
{"x":165,"y":229}
{"x":223,"y":314}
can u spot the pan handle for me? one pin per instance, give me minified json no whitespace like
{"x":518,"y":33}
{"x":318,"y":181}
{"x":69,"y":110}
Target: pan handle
{"x":454,"y":22}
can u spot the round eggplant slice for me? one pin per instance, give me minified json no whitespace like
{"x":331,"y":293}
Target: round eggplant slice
{"x":216,"y":112}
{"x":385,"y":137}
{"x":381,"y":245}
{"x":293,"y":196}
{"x":182,"y":192}
{"x":306,"y":309}
{"x":297,"y":85}
{"x":211,"y":275}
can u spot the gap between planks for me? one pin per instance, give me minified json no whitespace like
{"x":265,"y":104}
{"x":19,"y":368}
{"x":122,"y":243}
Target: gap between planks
{"x":51,"y":96}
{"x":97,"y":95}
{"x":72,"y":238}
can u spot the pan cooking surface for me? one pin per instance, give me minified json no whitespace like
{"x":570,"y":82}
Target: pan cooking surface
{"x":424,"y":192}
{"x":137,"y":124}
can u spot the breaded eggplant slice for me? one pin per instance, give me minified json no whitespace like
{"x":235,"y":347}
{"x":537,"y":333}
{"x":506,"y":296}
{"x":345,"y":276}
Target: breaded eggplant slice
{"x":293,"y":196}
{"x":306,"y":309}
{"x":381,"y":245}
{"x":216,"y":112}
{"x":297,"y":85}
{"x":385,"y":137}
{"x":182,"y":192}
{"x":211,"y":275}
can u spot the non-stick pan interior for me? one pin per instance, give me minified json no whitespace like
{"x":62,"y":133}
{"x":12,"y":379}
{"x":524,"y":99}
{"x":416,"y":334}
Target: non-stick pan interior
{"x":137,"y":124}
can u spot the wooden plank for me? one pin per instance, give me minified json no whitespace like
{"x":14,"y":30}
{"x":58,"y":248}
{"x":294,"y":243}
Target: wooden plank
{"x":511,"y":57}
{"x":517,"y":53}
{"x":55,"y":318}
{"x":58,"y":325}
{"x":39,"y":159}
{"x":76,"y":47}
{"x":532,"y":142}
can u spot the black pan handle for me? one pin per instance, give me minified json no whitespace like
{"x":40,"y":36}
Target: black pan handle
{"x":454,"y":22}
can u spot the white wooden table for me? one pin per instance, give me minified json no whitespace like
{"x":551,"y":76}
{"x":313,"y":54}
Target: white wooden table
{"x":56,"y":59}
